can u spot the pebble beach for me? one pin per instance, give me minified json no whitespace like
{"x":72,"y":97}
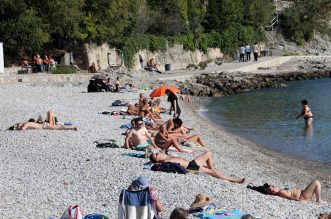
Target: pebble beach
{"x":43,"y":172}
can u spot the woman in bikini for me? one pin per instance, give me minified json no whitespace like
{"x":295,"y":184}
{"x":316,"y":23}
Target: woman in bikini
{"x":49,"y":124}
{"x":180,"y":133}
{"x":145,"y":112}
{"x":306,"y":113}
{"x":163,"y":141}
{"x":314,"y":188}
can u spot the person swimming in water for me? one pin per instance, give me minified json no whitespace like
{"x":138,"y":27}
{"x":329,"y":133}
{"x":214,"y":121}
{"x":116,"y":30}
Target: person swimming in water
{"x":306,"y":113}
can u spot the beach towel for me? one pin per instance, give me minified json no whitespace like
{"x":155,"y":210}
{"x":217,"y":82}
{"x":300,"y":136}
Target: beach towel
{"x":126,"y":126}
{"x":169,"y":167}
{"x":221,"y":214}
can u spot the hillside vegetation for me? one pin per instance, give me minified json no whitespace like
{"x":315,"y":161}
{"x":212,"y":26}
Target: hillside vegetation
{"x":29,"y":26}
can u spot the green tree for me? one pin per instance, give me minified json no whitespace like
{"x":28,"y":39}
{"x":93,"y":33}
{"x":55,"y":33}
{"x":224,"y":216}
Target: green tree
{"x":258,"y":12}
{"x":303,"y":17}
{"x":105,"y":19}
{"x":21,"y":30}
{"x":26,"y":34}
{"x":63,"y":18}
{"x":169,"y":17}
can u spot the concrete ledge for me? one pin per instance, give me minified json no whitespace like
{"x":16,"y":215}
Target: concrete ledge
{"x":45,"y":78}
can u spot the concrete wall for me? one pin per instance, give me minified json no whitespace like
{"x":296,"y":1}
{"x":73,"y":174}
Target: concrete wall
{"x":176,"y":56}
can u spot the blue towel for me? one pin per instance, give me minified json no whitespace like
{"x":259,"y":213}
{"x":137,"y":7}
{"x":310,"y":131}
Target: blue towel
{"x":126,"y":126}
{"x":221,"y":214}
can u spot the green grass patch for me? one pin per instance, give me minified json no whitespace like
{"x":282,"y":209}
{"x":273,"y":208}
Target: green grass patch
{"x":64,"y":69}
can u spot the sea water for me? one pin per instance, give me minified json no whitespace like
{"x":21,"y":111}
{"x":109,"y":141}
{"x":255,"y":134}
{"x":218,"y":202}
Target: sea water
{"x":268,"y":117}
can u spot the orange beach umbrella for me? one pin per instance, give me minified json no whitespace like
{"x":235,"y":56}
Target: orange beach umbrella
{"x":160,"y":91}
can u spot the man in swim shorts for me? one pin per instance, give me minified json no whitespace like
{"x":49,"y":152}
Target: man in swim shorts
{"x":138,"y":137}
{"x":201,"y":164}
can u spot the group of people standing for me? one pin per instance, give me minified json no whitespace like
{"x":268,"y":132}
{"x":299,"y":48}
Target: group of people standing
{"x":245,"y":52}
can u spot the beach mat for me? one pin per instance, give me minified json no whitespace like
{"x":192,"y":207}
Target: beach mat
{"x":222,"y":214}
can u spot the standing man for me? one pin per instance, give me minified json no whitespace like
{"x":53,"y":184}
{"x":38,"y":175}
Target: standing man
{"x":255,"y":51}
{"x":248,"y":53}
{"x":242,"y":53}
{"x":172,"y":98}
{"x":141,"y":60}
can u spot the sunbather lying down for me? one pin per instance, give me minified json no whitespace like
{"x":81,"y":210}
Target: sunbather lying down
{"x":45,"y":125}
{"x":202,"y":164}
{"x":49,"y":124}
{"x":314,"y":188}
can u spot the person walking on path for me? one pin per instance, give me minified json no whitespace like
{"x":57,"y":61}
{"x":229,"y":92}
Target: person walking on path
{"x":242,"y":53}
{"x":255,"y":51}
{"x":248,"y":53}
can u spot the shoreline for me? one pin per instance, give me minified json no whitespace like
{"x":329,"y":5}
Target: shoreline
{"x":299,"y":162}
{"x":36,"y":164}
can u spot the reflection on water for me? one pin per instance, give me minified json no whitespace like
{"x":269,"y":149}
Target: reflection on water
{"x":267,"y":117}
{"x":308,"y":131}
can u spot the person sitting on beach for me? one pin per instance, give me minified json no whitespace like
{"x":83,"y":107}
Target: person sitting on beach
{"x":140,"y":99}
{"x":49,"y":123}
{"x":185,"y":96}
{"x":314,"y":188}
{"x":179,"y":213}
{"x":153,"y":65}
{"x":132,"y":109}
{"x":170,"y":126}
{"x":324,"y":216}
{"x":306,"y":113}
{"x":142,"y":183}
{"x":201,"y":164}
{"x":163,"y":141}
{"x":138,"y":137}
{"x":92,"y":68}
{"x":74,"y":66}
{"x":180,"y":133}
{"x":117,"y":84}
{"x":39,"y":63}
{"x":145,"y":112}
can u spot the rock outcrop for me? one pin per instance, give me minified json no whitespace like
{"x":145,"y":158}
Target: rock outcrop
{"x":229,"y":83}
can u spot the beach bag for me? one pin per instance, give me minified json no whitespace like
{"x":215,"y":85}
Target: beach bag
{"x":95,"y":216}
{"x":73,"y":212}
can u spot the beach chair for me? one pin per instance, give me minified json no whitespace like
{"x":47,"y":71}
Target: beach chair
{"x":136,"y":205}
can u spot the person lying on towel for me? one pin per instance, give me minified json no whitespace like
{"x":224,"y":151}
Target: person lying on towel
{"x":201,"y":164}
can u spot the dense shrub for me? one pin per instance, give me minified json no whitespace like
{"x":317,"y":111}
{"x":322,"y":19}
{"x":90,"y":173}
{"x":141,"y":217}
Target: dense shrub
{"x":64,"y":69}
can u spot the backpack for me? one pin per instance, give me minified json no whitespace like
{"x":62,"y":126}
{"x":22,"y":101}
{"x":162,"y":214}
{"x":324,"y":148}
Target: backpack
{"x":73,"y":212}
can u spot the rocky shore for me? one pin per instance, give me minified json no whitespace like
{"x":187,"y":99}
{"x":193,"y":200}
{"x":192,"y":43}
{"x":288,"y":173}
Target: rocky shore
{"x":229,"y":83}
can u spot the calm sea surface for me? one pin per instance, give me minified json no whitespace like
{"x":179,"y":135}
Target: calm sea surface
{"x":267,"y":117}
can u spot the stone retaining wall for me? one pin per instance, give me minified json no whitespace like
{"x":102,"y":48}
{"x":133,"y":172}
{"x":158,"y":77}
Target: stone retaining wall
{"x":176,"y":56}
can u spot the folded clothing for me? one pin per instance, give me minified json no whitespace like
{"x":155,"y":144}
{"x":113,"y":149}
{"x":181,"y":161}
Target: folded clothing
{"x":119,"y":103}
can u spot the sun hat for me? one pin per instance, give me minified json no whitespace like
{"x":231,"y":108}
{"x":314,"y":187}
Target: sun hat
{"x":201,"y":200}
{"x":140,"y":183}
